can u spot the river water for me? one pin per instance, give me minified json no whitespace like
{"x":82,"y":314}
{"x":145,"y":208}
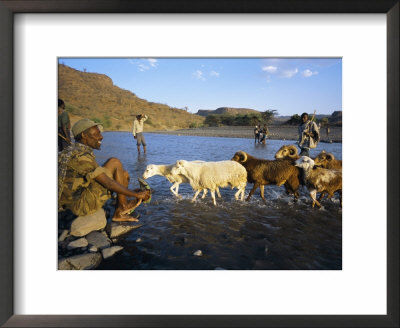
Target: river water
{"x":233,"y":235}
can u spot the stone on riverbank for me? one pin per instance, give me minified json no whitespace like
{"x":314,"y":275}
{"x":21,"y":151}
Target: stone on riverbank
{"x":78,"y":243}
{"x":63,"y":235}
{"x":108,"y":252}
{"x":98,"y":239}
{"x":118,"y":229}
{"x":92,"y":249}
{"x":83,"y":225}
{"x":80,"y":262}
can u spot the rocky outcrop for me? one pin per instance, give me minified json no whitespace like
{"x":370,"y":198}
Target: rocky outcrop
{"x":226,"y":110}
{"x":336,"y":118}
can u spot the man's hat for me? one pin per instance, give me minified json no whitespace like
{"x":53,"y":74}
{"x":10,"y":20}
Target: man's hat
{"x":83,"y":125}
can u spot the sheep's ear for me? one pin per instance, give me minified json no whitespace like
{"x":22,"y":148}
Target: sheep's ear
{"x":323,"y":152}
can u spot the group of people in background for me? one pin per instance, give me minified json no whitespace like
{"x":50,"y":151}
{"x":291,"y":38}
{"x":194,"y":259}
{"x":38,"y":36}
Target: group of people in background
{"x":260,"y":134}
{"x":309,"y":134}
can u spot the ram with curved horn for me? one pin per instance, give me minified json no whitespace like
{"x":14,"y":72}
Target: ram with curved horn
{"x":262,"y":172}
{"x":287,"y":152}
{"x":319,"y":179}
{"x":327,"y":161}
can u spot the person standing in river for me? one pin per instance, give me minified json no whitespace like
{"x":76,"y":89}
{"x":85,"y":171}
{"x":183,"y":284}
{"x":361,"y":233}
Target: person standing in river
{"x":84,"y":186}
{"x":64,"y":126}
{"x":265,"y":133}
{"x":308,"y":135}
{"x":138,"y":132}
{"x":256,"y":134}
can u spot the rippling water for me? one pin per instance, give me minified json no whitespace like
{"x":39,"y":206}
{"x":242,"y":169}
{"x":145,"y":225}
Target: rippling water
{"x":281,"y":235}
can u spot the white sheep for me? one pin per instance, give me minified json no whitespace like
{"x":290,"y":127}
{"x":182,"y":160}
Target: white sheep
{"x":212,"y":175}
{"x":319,"y":179}
{"x":175,"y":179}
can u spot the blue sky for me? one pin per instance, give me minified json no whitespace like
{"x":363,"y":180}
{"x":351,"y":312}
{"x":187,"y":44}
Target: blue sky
{"x":288,"y":85}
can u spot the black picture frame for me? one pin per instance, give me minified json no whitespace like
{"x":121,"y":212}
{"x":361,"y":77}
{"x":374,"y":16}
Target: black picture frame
{"x":10,"y":7}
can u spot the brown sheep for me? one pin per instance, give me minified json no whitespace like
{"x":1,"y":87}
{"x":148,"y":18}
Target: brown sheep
{"x":287,"y":152}
{"x":328,"y":161}
{"x":319,"y":179}
{"x":262,"y":172}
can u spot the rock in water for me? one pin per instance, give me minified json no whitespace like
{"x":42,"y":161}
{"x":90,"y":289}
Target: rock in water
{"x":78,"y":243}
{"x":108,"y":252}
{"x":117,"y":229}
{"x":198,"y":253}
{"x":80,"y":262}
{"x":83,"y":225}
{"x":98,"y":239}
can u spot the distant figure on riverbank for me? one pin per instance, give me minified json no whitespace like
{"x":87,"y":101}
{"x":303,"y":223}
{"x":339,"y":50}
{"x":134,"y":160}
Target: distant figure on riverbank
{"x":308,"y":135}
{"x":138,"y":131}
{"x":84,"y":186}
{"x":256,"y":134}
{"x":265,"y":133}
{"x":328,"y":130}
{"x":64,"y":126}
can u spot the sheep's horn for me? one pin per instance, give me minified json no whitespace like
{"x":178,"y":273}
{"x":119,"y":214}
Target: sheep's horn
{"x":292,"y":149}
{"x":243,"y":154}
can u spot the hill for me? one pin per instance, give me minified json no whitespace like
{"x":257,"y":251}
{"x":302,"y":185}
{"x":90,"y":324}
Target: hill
{"x":95,"y":96}
{"x":226,"y":110}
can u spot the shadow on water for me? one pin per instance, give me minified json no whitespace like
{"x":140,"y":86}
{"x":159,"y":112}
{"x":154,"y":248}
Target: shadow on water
{"x":281,"y":235}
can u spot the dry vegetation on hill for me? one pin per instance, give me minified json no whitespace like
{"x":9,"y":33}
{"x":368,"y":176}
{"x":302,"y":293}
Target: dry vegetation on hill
{"x":95,"y":96}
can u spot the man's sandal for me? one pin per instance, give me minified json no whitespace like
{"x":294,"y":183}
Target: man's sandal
{"x":126,"y":218}
{"x":132,"y":208}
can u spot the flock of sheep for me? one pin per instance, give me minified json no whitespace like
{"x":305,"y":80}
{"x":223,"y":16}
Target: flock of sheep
{"x":322,"y":174}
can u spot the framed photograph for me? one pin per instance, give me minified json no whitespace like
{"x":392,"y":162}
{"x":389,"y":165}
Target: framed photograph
{"x":362,"y":291}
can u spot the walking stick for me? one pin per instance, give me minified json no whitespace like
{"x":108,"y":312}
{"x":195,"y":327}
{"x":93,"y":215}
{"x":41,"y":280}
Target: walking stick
{"x":60,"y":135}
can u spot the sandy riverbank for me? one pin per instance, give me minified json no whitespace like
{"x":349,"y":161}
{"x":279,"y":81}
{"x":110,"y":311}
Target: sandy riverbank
{"x":276,"y":132}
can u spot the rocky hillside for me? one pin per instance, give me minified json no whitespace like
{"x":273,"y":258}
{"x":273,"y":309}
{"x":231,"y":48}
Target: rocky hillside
{"x":336,"y":118}
{"x":95,"y":96}
{"x":226,"y":110}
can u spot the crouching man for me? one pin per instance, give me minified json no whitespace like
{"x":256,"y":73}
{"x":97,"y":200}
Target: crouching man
{"x":84,"y":186}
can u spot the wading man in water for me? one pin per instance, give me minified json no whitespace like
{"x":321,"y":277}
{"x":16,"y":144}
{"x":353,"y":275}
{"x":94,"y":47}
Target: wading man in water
{"x":84,"y":186}
{"x":138,"y":132}
{"x":64,"y":126}
{"x":308,"y":135}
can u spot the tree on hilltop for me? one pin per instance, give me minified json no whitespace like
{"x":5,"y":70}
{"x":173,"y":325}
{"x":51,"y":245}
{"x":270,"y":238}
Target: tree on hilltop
{"x":294,"y":120}
{"x":268,"y":115}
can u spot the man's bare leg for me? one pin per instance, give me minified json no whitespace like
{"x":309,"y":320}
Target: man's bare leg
{"x":123,"y":207}
{"x":138,"y":149}
{"x":144,"y":149}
